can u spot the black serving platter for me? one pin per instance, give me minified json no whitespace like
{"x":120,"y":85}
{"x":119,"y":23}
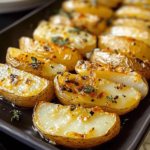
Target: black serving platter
{"x":134,"y":125}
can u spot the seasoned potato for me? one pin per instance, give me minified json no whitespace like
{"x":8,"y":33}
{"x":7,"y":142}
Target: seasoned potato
{"x":33,"y":64}
{"x":116,"y":59}
{"x":22,"y":88}
{"x":139,"y":3}
{"x":65,"y":35}
{"x":91,"y":23}
{"x":90,"y":7}
{"x":89,"y":127}
{"x":115,"y":74}
{"x":58,"y":54}
{"x":133,"y":12}
{"x":132,"y":22}
{"x":91,"y":91}
{"x":126,"y":45}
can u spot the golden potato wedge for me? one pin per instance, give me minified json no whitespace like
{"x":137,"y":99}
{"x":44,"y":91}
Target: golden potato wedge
{"x":91,"y":23}
{"x":58,"y":54}
{"x":90,"y":7}
{"x":22,"y":88}
{"x":64,"y":35}
{"x":132,"y":22}
{"x":125,"y":45}
{"x":116,"y":59}
{"x":33,"y":64}
{"x":116,"y":74}
{"x":89,"y":126}
{"x":133,"y":12}
{"x":139,"y":3}
{"x":91,"y":91}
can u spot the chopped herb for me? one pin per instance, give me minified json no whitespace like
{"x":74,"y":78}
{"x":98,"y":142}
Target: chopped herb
{"x":16,"y":115}
{"x":59,"y":40}
{"x":109,"y":21}
{"x":116,"y":51}
{"x":91,"y":113}
{"x":94,"y":2}
{"x":133,"y":43}
{"x":88,"y":89}
{"x":62,"y":12}
{"x":58,"y":72}
{"x":148,"y":27}
{"x":72,"y":108}
{"x":75,"y":29}
{"x":111,"y":99}
{"x":35,"y":63}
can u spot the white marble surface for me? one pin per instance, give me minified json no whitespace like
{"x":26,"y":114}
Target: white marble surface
{"x":146,"y":143}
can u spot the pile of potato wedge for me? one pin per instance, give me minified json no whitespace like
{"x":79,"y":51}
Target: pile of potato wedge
{"x":107,"y":44}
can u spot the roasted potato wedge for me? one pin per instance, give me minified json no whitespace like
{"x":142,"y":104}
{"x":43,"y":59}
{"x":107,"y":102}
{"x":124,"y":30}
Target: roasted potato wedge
{"x":91,"y":23}
{"x":91,"y":91}
{"x":139,"y":3}
{"x":117,"y":75}
{"x":58,"y":54}
{"x":90,"y":7}
{"x":65,"y":35}
{"x":33,"y":64}
{"x":22,"y":88}
{"x":89,"y":127}
{"x":138,"y":23}
{"x":133,"y":32}
{"x":125,"y":45}
{"x":133,"y":12}
{"x":116,"y":59}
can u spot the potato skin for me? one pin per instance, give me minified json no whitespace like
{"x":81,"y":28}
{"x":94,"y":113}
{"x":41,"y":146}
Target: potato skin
{"x":46,"y":94}
{"x":68,"y":100}
{"x":108,"y":57}
{"x":22,"y":61}
{"x":82,"y":7}
{"x":126,"y":45}
{"x":61,"y":55}
{"x":79,"y":142}
{"x":133,"y":12}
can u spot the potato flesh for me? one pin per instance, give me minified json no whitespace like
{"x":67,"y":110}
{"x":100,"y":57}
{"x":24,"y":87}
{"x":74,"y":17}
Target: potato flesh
{"x":103,"y":88}
{"x":82,"y":41}
{"x":127,"y":31}
{"x":133,"y":12}
{"x":82,"y":7}
{"x":56,"y":119}
{"x":133,"y":79}
{"x":24,"y":84}
{"x":22,"y":60}
{"x":58,"y":54}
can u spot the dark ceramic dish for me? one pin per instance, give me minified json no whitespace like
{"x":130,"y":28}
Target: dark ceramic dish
{"x":134,"y":125}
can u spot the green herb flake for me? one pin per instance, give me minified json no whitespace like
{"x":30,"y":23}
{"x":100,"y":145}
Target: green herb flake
{"x":16,"y":115}
{"x":35,"y":63}
{"x":62,"y":12}
{"x":111,"y":99}
{"x":60,"y":41}
{"x":72,"y":108}
{"x":94,"y":2}
{"x":75,"y":30}
{"x":88,"y":89}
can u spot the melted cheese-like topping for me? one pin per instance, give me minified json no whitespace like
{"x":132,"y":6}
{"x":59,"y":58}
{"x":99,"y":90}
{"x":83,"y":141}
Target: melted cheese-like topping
{"x":80,"y":40}
{"x":19,"y":82}
{"x":78,"y":122}
{"x":117,"y":75}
